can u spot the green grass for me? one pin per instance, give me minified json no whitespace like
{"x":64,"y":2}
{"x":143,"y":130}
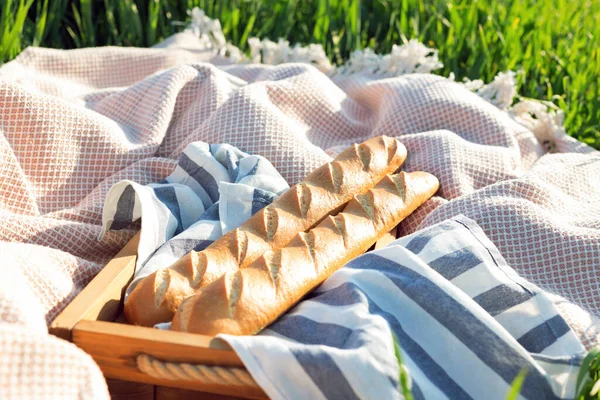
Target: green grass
{"x":589,"y":376}
{"x":403,"y":376}
{"x":555,"y":44}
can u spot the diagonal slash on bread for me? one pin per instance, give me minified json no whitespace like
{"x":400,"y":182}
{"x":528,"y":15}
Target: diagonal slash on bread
{"x":245,"y":301}
{"x":324,"y":191}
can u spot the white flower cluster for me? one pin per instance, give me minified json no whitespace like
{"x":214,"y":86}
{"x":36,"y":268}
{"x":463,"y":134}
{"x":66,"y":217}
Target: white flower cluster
{"x":207,"y":29}
{"x":211,"y":34}
{"x":268,"y":52}
{"x":411,"y":57}
{"x":544,"y":119}
{"x":233,"y":53}
{"x":262,"y":51}
{"x":500,"y":92}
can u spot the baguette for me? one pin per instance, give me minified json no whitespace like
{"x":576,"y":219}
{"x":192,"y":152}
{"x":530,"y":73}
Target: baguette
{"x":156,"y":297}
{"x":244,"y":302}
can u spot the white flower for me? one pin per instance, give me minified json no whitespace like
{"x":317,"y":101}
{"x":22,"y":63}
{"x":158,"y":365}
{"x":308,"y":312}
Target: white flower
{"x":199,"y":21}
{"x":362,"y":60}
{"x":209,"y":31}
{"x":255,"y":48}
{"x":312,"y":54}
{"x":274,"y":53}
{"x":269,"y":52}
{"x":216,"y":33}
{"x":411,"y":57}
{"x":473,"y":86}
{"x":233,"y":53}
{"x":543,"y":119}
{"x":501,"y":91}
{"x":266,"y":51}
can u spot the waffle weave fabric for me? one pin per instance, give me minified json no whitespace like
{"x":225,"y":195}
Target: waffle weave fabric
{"x":73,"y":123}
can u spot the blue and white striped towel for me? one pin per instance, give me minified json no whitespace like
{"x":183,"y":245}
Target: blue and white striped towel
{"x":465,"y":321}
{"x":213,"y":189}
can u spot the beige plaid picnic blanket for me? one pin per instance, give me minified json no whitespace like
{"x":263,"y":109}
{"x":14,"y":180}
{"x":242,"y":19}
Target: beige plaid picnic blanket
{"x":73,"y":123}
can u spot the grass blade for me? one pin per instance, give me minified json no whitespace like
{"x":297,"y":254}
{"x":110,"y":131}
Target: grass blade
{"x":517,"y":383}
{"x":40,"y":25}
{"x":154,"y":8}
{"x":404,"y":378}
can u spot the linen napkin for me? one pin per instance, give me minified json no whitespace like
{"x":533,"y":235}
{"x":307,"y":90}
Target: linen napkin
{"x":465,"y":321}
{"x":213,"y":189}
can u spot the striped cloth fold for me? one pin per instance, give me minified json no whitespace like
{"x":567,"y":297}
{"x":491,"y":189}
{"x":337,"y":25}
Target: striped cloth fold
{"x":213,"y":189}
{"x":462,"y":316}
{"x":466,"y":323}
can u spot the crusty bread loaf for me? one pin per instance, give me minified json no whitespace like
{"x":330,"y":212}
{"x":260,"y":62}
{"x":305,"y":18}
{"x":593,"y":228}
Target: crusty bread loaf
{"x":244,"y":302}
{"x":156,"y":297}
